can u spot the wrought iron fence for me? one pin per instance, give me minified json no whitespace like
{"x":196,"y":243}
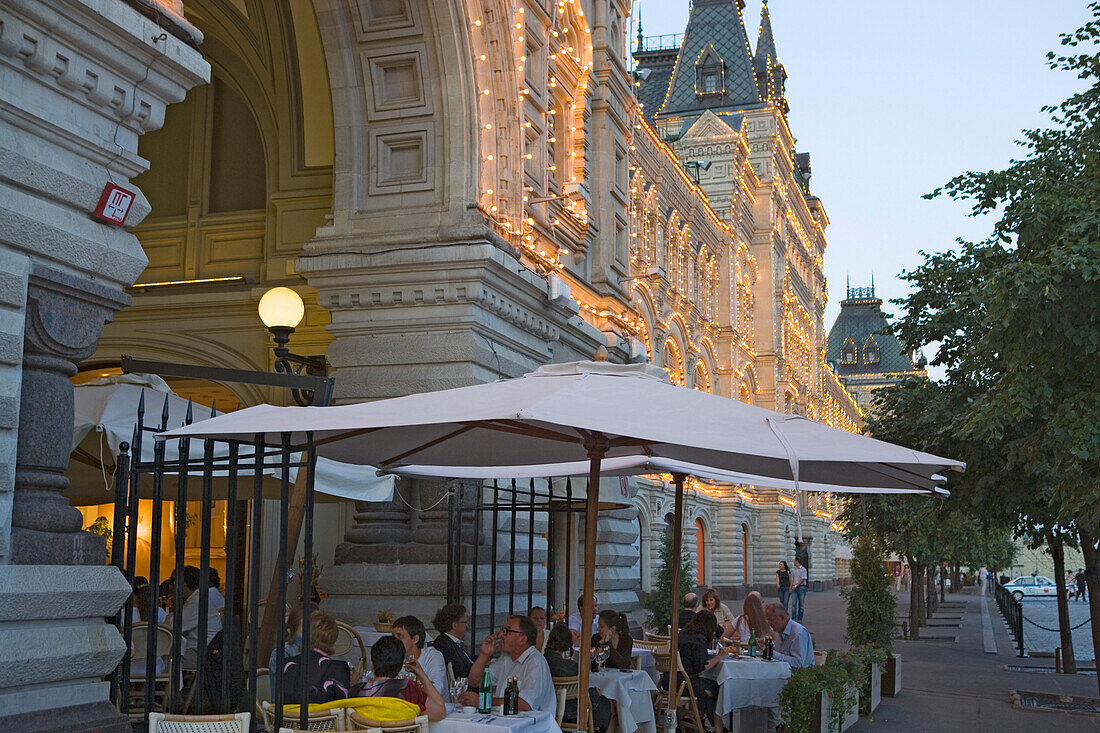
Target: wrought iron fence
{"x":210,"y":669}
{"x":1013,"y":612}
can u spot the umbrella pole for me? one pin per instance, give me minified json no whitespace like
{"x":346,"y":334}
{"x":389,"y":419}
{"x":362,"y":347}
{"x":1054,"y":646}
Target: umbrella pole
{"x":597,"y":447}
{"x":674,"y":605}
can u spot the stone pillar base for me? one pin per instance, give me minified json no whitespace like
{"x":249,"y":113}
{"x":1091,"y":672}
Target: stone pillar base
{"x":97,"y":717}
{"x":55,"y":647}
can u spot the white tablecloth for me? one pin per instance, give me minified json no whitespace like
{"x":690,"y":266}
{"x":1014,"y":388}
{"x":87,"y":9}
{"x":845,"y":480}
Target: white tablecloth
{"x":746,"y":683}
{"x":631,"y":690}
{"x":527,"y":722}
{"x":649,"y":662}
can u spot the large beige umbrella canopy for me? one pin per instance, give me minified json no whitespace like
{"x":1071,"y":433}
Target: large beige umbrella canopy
{"x":587,"y":411}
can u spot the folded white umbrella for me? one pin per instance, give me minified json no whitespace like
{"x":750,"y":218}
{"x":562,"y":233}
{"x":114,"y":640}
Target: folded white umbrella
{"x":105,"y":413}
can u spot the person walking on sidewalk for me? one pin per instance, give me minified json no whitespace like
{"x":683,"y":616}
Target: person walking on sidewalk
{"x":798,"y":590}
{"x":983,"y":579}
{"x":1080,"y":580}
{"x":897,"y":578}
{"x":783,"y":582}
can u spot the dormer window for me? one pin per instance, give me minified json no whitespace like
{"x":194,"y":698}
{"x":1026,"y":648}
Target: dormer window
{"x":871,"y":353}
{"x":848,"y":352}
{"x":710,"y":73}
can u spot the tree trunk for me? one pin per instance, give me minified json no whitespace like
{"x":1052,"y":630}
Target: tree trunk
{"x":914,"y":600}
{"x":1092,"y":584}
{"x":1057,"y":553}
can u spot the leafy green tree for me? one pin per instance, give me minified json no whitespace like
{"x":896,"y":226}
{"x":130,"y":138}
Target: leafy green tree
{"x":1018,"y":318}
{"x":871,"y":603}
{"x":660,"y":600}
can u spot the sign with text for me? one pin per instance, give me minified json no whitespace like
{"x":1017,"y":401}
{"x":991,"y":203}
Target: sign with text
{"x":114,"y":204}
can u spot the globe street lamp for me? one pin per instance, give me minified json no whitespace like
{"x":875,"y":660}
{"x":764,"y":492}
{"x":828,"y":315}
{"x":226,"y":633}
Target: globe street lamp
{"x":281,"y":310}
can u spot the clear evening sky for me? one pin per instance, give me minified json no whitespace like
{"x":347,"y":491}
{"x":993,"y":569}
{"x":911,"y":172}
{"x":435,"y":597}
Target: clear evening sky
{"x":892,"y":99}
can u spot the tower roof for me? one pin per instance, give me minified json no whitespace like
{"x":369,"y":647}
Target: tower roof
{"x":770,"y":75}
{"x":714,"y":40}
{"x":860,"y":341}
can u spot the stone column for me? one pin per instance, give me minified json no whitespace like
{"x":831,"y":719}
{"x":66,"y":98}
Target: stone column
{"x":64,"y":317}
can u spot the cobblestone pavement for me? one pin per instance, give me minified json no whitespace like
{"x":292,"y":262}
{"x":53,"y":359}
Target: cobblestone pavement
{"x":1044,"y":612}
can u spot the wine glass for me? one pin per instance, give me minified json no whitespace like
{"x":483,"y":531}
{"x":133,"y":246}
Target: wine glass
{"x":406,"y":672}
{"x":602,"y":653}
{"x":457,"y":688}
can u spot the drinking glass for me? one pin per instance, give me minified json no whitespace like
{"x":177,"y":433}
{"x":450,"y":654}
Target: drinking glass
{"x":601,"y":656}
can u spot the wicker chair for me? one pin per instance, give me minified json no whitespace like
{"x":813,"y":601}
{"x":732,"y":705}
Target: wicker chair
{"x":321,"y":720}
{"x":161,"y":682}
{"x":346,"y":639}
{"x":419,"y":724}
{"x":566,"y":689}
{"x":263,"y":694}
{"x":658,"y":638}
{"x":653,"y":645}
{"x":162,"y":723}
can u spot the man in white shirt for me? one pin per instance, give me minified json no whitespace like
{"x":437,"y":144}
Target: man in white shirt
{"x":798,"y":590}
{"x":410,"y":631}
{"x":575,"y":621}
{"x":190,"y":617}
{"x":520,"y":659}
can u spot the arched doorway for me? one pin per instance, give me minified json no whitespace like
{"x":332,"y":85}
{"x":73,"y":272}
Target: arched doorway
{"x":700,"y":552}
{"x":745,"y":574}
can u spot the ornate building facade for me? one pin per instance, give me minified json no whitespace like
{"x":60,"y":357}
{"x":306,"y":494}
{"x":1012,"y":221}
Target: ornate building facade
{"x":467,"y":189}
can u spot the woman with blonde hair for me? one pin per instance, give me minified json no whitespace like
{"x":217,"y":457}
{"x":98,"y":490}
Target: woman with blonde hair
{"x":722,"y":614}
{"x":751,"y":620}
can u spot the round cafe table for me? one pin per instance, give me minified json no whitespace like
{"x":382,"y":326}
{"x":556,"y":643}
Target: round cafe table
{"x":530,"y":721}
{"x":632,"y":692}
{"x":745,"y":682}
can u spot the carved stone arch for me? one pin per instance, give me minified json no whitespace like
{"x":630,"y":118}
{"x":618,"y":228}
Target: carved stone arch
{"x":182,"y":348}
{"x":705,"y":364}
{"x":650,"y":537}
{"x":643,"y":301}
{"x":406,"y":147}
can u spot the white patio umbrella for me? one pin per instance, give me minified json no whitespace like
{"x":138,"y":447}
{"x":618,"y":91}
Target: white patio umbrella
{"x":589,"y":411}
{"x":105,"y":413}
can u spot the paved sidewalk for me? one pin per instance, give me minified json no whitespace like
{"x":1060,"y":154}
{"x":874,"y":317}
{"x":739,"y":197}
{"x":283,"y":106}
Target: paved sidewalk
{"x":956,"y":686}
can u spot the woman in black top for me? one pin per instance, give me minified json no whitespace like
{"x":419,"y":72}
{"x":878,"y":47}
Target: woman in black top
{"x":694,"y":646}
{"x":328,"y":679}
{"x":558,"y":644}
{"x":783,"y":582}
{"x":613,"y":632}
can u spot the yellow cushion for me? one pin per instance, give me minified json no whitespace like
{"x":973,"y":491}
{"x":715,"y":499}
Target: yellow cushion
{"x":373,"y":708}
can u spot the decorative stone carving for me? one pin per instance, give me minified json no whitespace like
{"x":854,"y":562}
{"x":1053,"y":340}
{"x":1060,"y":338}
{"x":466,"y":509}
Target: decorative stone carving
{"x":64,"y":317}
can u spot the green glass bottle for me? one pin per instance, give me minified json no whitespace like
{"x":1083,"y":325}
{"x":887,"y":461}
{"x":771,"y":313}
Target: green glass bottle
{"x":485,"y":694}
{"x":752,"y":643}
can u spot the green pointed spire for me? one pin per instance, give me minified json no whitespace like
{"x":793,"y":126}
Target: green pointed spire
{"x":770,"y":75}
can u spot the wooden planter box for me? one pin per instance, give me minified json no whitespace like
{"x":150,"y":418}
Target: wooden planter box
{"x":891,"y":676}
{"x":867,"y":705}
{"x":823,"y":712}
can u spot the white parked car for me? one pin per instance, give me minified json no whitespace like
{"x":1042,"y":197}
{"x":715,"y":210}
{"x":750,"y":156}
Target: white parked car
{"x":1032,"y":585}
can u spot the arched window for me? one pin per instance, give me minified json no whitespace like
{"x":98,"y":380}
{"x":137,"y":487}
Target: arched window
{"x":700,"y":378}
{"x":673,"y":362}
{"x":745,"y":554}
{"x":700,"y":553}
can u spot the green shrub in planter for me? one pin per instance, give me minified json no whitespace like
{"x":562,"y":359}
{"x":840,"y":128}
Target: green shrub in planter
{"x":838,"y":677}
{"x":872,"y":607}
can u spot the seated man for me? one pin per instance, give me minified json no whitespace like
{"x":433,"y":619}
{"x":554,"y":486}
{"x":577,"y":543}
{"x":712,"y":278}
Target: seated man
{"x":792,"y":641}
{"x":575,"y":620}
{"x":387,"y":657}
{"x":451,"y":622}
{"x":410,"y":632}
{"x":687,"y":613}
{"x":521,"y":660}
{"x":190,"y":617}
